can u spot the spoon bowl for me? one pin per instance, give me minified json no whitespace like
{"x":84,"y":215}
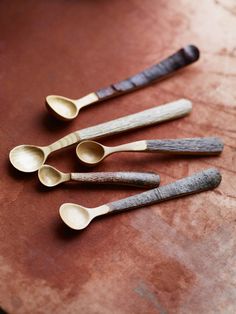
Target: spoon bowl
{"x":90,"y":152}
{"x":75,"y":216}
{"x":50,"y":176}
{"x":27,"y":158}
{"x":62,"y":107}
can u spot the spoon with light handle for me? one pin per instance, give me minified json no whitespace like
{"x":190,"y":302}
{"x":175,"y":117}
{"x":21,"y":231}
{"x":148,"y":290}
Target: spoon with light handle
{"x":68,"y":109}
{"x":50,"y":176}
{"x":78,"y":217}
{"x":91,"y":153}
{"x":29,"y":158}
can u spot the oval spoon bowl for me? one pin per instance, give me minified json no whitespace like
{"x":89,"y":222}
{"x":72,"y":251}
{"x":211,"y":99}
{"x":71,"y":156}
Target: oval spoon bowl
{"x":62,"y":107}
{"x":90,"y":152}
{"x":75,"y":216}
{"x":27,"y":158}
{"x":49,"y":176}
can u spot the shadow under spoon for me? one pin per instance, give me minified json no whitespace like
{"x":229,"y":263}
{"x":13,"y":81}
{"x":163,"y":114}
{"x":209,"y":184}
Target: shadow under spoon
{"x":50,"y":176}
{"x":67,"y":109}
{"x":78,"y":217}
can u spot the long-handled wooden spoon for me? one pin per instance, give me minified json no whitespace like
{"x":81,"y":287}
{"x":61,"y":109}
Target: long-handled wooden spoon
{"x":91,"y":153}
{"x":51,"y":176}
{"x":68,"y":109}
{"x":78,"y":217}
{"x":29,"y":158}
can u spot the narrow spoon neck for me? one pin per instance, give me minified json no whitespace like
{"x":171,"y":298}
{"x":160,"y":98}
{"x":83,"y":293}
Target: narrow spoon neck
{"x":98,"y":211}
{"x":86,"y":100}
{"x":134,"y":146}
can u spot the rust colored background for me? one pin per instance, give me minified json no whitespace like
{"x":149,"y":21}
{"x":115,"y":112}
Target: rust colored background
{"x":176,"y":257}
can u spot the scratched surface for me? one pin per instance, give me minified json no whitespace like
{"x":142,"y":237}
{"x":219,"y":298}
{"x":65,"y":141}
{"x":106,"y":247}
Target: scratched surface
{"x":175,"y":257}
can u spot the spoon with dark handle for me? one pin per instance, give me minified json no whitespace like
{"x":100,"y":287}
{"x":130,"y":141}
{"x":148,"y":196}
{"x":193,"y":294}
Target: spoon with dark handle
{"x":78,"y":217}
{"x":50,"y":176}
{"x":91,"y":153}
{"x":29,"y":158}
{"x":67,"y":109}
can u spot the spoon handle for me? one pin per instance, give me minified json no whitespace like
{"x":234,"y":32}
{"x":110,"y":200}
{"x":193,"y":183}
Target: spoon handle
{"x":198,"y":182}
{"x":193,"y":146}
{"x":138,"y":179}
{"x":158,"y":114}
{"x":157,"y":72}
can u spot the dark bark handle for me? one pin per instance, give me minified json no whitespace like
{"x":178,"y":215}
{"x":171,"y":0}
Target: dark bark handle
{"x":195,"y":146}
{"x":178,"y":60}
{"x":138,"y":179}
{"x":201,"y":181}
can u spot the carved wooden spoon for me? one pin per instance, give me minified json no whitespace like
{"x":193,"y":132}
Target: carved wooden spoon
{"x":78,"y":217}
{"x":91,"y":153}
{"x":29,"y":158}
{"x":68,"y":109}
{"x":51,"y":176}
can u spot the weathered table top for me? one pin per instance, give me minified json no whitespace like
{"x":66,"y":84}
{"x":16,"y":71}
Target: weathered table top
{"x":176,"y":257}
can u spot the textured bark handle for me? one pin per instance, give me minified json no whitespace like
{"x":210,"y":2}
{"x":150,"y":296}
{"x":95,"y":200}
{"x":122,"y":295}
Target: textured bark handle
{"x":138,"y":179}
{"x":195,"y":146}
{"x":170,"y":111}
{"x":201,"y":181}
{"x":178,"y":60}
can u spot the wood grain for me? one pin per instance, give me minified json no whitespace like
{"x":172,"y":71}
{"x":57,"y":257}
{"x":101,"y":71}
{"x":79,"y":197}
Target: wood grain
{"x":183,"y":57}
{"x":138,"y":179}
{"x":170,"y":111}
{"x":193,"y":146}
{"x":201,"y":181}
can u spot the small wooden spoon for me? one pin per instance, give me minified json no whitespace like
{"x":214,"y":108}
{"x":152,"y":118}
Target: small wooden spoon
{"x":50,"y":177}
{"x":78,"y":217}
{"x":91,"y":153}
{"x":68,"y":109}
{"x":29,"y":158}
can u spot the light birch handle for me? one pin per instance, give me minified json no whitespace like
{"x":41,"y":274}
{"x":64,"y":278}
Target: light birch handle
{"x":157,"y":72}
{"x":193,"y":146}
{"x":138,"y":179}
{"x":201,"y":181}
{"x":158,"y":114}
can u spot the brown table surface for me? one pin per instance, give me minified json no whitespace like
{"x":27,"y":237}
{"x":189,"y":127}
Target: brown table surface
{"x":176,"y":257}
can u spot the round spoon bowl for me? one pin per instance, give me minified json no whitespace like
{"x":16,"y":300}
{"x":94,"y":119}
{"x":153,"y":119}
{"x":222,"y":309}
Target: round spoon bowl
{"x":27,"y":158}
{"x":62,"y":107}
{"x":75,"y":216}
{"x":90,"y":152}
{"x":49,"y":176}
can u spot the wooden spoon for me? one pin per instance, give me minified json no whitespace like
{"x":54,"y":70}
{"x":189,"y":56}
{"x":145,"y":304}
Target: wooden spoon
{"x":78,"y":217}
{"x":29,"y":158}
{"x":91,"y":153}
{"x":51,"y":176}
{"x":68,"y":109}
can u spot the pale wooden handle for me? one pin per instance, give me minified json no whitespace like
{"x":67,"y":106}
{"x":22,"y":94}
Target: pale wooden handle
{"x":165,"y":68}
{"x":138,"y":179}
{"x":194,"y":146}
{"x":201,"y":181}
{"x":170,"y":111}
